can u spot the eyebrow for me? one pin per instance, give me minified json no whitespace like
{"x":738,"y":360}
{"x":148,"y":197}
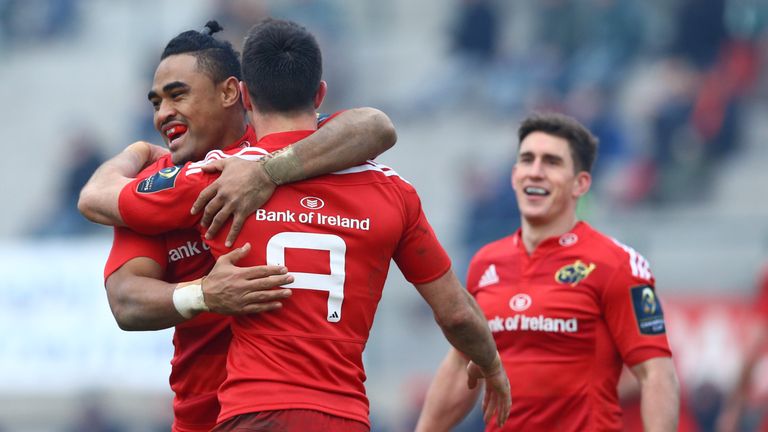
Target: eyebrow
{"x":547,"y":156}
{"x":168,"y":88}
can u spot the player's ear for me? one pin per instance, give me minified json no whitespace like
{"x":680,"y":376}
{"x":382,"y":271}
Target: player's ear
{"x":246,"y":97}
{"x":320,"y":94}
{"x":230,"y":92}
{"x":582,"y":184}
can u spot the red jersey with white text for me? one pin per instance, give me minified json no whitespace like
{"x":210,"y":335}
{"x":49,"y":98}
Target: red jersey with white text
{"x":565,"y":318}
{"x":200,"y":344}
{"x":336,"y":234}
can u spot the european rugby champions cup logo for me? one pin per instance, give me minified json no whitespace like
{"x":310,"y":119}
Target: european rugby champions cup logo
{"x":574,"y":273}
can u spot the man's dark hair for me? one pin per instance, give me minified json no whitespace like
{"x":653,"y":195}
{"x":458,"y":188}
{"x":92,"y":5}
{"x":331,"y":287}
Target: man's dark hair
{"x":214,"y":57}
{"x":582,"y":143}
{"x":282,"y":66}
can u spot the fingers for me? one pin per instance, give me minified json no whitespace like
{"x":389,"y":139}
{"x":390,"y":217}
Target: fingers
{"x":219,"y":220}
{"x":266,"y":296}
{"x":234,"y":230}
{"x":487,"y":413}
{"x":212,"y":209}
{"x":262,"y":271}
{"x":205,"y":196}
{"x":261,"y":307}
{"x":215,"y":166}
{"x":236,"y":254}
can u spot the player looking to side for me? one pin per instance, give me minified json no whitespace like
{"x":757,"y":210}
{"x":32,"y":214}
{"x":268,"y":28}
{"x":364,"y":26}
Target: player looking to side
{"x":567,"y":305}
{"x":197,"y":105}
{"x":301,"y":365}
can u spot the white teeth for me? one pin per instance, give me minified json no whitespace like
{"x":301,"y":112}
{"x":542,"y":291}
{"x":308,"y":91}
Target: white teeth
{"x":530,"y":190}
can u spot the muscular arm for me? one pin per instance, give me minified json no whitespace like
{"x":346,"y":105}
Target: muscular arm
{"x":141,"y":301}
{"x":448,"y":399}
{"x":465,"y":327}
{"x":659,"y":393}
{"x":730,"y":416}
{"x":99,"y":197}
{"x":347,"y":140}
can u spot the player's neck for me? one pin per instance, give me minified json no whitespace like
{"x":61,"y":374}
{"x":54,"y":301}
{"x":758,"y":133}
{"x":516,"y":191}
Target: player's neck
{"x":265,"y":124}
{"x":233,"y":134}
{"x":534,"y":233}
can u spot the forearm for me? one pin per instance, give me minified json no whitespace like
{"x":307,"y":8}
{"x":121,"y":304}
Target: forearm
{"x":142,"y":303}
{"x":470,"y":335}
{"x":448,"y":399}
{"x":660,"y":395}
{"x":349,"y":139}
{"x":99,"y":197}
{"x":461,"y":319}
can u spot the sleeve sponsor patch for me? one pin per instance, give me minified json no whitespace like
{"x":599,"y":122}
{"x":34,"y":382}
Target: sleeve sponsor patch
{"x":650,"y":318}
{"x":161,"y":180}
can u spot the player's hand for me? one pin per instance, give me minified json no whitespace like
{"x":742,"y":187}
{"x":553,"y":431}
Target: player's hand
{"x":147,"y":152}
{"x":241,"y":189}
{"x":497,"y":396}
{"x":232,"y":290}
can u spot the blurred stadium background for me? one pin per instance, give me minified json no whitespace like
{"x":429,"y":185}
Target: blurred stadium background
{"x":675,"y":89}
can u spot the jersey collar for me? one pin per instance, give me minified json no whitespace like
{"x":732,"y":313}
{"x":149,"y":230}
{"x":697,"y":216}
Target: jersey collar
{"x":247,"y":140}
{"x":276,"y":141}
{"x":571,"y":238}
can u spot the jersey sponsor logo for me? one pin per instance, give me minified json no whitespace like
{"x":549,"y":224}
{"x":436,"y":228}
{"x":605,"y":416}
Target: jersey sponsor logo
{"x":161,"y":180}
{"x":540,"y":323}
{"x":489,"y":277}
{"x":650,"y":317}
{"x":520,"y":302}
{"x":312,"y":203}
{"x":574,"y":273}
{"x":313,"y":218}
{"x":568,"y":239}
{"x":190,"y":249}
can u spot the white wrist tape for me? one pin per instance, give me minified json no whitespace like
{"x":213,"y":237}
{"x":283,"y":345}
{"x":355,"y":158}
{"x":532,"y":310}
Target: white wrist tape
{"x":189,"y":300}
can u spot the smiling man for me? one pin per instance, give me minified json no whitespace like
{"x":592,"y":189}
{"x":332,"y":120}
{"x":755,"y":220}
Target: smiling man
{"x":151,"y":279}
{"x":567,"y":305}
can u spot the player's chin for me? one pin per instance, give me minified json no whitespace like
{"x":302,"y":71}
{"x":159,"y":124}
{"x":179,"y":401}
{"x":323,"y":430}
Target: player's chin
{"x":180,"y":156}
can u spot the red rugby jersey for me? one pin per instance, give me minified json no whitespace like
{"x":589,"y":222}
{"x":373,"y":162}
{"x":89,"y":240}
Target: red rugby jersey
{"x":564,"y":319}
{"x":200,"y":345}
{"x":336,"y":234}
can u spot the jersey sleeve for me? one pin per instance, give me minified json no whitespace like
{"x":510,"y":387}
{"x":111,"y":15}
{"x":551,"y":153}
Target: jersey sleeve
{"x":162,"y":201}
{"x":633,"y":312}
{"x":127,"y":245}
{"x":419,"y":254}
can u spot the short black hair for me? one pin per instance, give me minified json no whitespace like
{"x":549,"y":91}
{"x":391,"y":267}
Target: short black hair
{"x":582,"y":143}
{"x":282,"y":66}
{"x":214,"y":57}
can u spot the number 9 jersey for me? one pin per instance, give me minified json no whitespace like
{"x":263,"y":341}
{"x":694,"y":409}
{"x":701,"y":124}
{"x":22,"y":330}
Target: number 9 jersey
{"x":336,"y":234}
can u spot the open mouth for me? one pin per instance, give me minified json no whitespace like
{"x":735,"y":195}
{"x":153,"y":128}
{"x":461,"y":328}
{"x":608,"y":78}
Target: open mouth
{"x":174,"y":133}
{"x":535,"y":191}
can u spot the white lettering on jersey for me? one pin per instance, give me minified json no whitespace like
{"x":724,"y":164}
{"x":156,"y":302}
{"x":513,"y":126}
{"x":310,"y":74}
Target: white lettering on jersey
{"x":521,"y":322}
{"x":640,"y":266}
{"x":190,"y":249}
{"x":313,"y":218}
{"x":333,"y":283}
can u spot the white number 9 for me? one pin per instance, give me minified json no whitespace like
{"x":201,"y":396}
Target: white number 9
{"x":333,"y":283}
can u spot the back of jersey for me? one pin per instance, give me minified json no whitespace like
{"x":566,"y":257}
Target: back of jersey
{"x":336,"y":234}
